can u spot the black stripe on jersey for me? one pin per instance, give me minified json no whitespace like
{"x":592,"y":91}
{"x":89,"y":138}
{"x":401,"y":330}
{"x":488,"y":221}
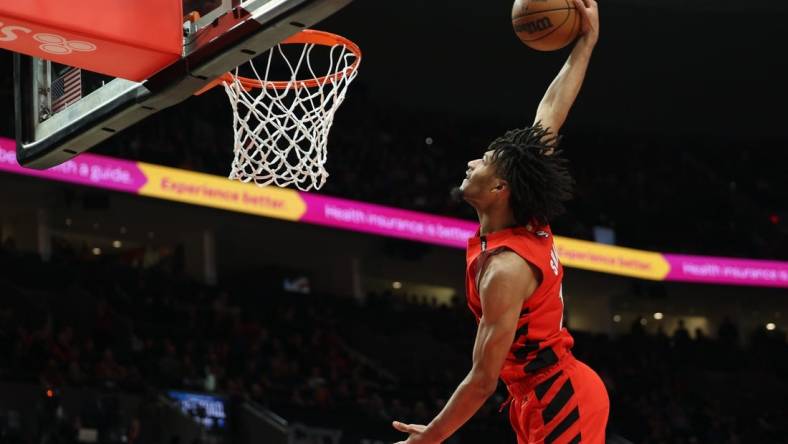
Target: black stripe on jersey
{"x":545,"y":385}
{"x":562,"y":427}
{"x":528,"y":347}
{"x":545,"y":358}
{"x":576,"y":439}
{"x":558,"y":402}
{"x":524,"y":312}
{"x":521,"y":331}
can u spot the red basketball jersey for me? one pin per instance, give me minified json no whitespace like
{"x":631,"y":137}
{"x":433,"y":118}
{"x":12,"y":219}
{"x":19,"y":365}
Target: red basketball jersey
{"x":541,"y":339}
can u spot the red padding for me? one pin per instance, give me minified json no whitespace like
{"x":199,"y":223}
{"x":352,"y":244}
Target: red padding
{"x":131,"y":39}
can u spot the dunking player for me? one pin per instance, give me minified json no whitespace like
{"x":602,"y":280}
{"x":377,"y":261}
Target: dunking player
{"x":514,"y":281}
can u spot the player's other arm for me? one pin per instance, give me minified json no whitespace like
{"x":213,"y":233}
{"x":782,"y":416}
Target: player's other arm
{"x":561,"y":94}
{"x":506,"y":283}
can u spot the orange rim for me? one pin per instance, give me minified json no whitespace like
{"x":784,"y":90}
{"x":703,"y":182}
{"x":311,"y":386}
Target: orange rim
{"x":305,"y":37}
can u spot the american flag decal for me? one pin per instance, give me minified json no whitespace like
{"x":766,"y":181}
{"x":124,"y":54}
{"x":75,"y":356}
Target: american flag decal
{"x":67,"y":89}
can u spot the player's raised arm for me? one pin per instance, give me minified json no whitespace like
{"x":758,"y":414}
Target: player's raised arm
{"x":505,"y":284}
{"x":561,"y":94}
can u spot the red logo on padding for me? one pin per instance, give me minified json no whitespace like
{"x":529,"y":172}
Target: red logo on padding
{"x":49,"y":43}
{"x":55,"y":44}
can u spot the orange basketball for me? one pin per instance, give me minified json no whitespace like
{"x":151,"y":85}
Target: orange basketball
{"x":545,"y":25}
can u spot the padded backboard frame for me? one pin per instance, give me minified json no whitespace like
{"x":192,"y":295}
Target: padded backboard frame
{"x":213,"y":45}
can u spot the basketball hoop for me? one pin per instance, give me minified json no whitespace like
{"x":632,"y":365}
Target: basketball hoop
{"x":281,"y":126}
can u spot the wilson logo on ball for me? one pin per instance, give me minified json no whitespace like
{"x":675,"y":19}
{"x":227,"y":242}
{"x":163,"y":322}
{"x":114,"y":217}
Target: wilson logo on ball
{"x":534,"y":26}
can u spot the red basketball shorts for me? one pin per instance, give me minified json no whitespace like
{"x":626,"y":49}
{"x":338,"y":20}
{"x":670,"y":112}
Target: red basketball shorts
{"x":566,"y":405}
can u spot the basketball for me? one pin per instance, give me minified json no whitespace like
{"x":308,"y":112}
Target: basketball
{"x":545,"y":25}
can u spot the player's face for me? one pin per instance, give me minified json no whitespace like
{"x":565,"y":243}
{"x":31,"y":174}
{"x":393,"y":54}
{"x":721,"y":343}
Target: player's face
{"x":479,"y":178}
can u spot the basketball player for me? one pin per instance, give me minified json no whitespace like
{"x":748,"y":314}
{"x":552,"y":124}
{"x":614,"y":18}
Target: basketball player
{"x":514,"y":281}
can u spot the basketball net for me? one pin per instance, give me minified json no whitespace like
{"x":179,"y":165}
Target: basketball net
{"x":281,"y":127}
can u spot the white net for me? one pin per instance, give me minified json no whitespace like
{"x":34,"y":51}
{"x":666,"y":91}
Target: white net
{"x":281,"y":130}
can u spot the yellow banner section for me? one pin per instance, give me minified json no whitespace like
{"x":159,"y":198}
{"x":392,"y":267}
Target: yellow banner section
{"x":218,"y":192}
{"x":611,"y":259}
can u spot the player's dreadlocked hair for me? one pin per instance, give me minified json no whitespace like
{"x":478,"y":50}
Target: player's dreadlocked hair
{"x":538,"y":178}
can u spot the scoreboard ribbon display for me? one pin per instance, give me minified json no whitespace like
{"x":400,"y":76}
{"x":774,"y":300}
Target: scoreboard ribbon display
{"x":217,"y":192}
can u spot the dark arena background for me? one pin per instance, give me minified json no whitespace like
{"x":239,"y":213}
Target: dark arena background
{"x":132,"y":317}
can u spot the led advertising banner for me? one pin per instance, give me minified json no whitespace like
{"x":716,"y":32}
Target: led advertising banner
{"x":218,"y":192}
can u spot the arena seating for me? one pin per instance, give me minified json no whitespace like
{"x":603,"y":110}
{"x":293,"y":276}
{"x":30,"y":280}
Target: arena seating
{"x":326,"y":360}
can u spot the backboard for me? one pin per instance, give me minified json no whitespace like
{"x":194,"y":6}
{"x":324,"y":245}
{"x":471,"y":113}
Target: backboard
{"x":62,"y":111}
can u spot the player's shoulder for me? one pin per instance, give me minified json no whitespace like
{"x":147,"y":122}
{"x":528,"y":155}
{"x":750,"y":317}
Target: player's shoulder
{"x":507,"y":273}
{"x":506,"y":264}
